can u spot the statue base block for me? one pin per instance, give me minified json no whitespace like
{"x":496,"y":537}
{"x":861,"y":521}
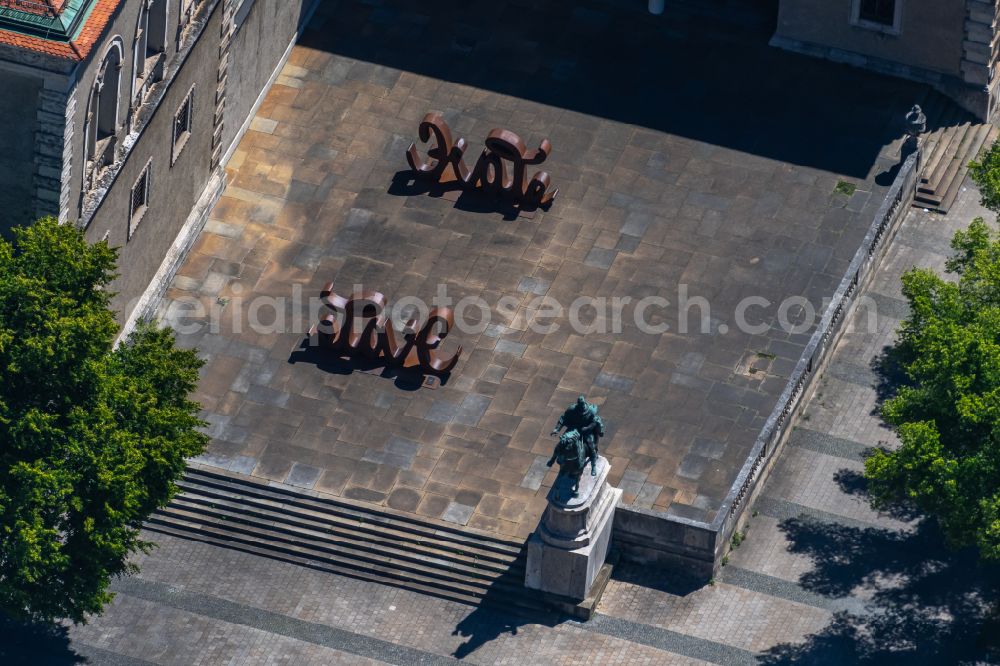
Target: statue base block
{"x":567,"y":551}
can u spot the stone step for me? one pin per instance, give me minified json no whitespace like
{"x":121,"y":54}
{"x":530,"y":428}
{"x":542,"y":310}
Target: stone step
{"x":960,"y":156}
{"x":365,"y":525}
{"x":347,"y":539}
{"x":390,"y":577}
{"x":941,"y":197}
{"x":328,"y":506}
{"x":335,"y":552}
{"x":954,"y":139}
{"x":986,"y":134}
{"x":930,"y":180}
{"x":290,"y":526}
{"x":941,"y":157}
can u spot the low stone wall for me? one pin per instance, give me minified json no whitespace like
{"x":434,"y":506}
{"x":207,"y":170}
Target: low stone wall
{"x":697,"y":547}
{"x":669,"y":542}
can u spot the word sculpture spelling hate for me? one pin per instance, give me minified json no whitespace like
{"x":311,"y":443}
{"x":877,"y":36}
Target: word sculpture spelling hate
{"x":501,"y":170}
{"x":359,"y":327}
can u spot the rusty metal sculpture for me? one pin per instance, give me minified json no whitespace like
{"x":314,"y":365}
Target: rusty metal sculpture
{"x":445,"y":164}
{"x":362,"y":329}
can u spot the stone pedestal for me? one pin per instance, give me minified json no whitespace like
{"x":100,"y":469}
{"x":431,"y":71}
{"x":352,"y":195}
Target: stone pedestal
{"x":569,"y":547}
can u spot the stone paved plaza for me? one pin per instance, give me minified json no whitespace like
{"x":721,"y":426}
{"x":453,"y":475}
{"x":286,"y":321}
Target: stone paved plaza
{"x":671,"y":172}
{"x":819,"y":578}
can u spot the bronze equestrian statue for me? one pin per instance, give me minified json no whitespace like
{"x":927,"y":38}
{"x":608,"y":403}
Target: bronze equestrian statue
{"x":582,"y":416}
{"x":584,"y":428}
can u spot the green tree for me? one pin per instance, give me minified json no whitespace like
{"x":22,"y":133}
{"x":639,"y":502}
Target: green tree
{"x":947,"y":414}
{"x":92,"y":437}
{"x":986,"y":172}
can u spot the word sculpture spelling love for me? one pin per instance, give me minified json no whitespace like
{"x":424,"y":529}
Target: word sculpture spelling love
{"x":362,"y":329}
{"x":501,"y":169}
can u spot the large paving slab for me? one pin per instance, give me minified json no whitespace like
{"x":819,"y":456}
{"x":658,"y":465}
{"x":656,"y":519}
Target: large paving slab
{"x":676,"y":171}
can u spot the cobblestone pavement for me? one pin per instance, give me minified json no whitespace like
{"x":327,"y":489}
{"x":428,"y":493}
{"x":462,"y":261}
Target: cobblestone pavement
{"x":659,"y":184}
{"x":819,"y":578}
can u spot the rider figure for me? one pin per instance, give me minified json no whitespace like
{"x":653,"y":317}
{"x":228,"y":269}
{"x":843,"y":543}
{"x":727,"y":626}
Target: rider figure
{"x":582,"y":417}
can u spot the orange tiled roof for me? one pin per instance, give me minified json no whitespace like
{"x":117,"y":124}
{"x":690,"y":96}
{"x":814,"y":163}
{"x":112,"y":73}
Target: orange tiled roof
{"x":38,"y":7}
{"x":76,"y":49}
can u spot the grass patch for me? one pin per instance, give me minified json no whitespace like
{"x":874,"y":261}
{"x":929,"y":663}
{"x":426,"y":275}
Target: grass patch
{"x":843,"y":187}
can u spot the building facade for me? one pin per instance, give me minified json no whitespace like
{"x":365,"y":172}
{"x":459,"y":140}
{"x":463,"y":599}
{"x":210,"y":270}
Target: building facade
{"x":950,"y":44}
{"x":118,"y":116}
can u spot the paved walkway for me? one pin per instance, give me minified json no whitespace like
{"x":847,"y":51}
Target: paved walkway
{"x":820,"y":577}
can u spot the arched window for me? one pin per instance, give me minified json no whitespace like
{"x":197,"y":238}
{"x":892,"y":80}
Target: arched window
{"x":156,"y":43}
{"x":109,"y":81}
{"x":102,"y":111}
{"x":150,"y":44}
{"x":139,"y":51}
{"x":139,"y":54}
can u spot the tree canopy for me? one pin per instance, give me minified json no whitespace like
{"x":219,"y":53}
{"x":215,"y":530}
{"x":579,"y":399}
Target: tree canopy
{"x":92,"y":437}
{"x":947,"y":414}
{"x":986,"y":172}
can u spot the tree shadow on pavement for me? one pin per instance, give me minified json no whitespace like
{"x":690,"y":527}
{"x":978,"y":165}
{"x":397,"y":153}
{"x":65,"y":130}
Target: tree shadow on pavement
{"x":924,"y":604}
{"x":890,"y":376}
{"x":853,"y":482}
{"x":23,"y":643}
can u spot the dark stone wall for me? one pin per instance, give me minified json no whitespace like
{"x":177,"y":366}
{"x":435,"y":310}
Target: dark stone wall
{"x":18,"y":123}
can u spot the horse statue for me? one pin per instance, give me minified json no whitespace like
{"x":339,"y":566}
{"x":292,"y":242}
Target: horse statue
{"x":572,"y":452}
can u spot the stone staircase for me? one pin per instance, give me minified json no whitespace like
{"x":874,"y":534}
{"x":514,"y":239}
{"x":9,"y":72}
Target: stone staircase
{"x":349,"y":540}
{"x":954,"y":138}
